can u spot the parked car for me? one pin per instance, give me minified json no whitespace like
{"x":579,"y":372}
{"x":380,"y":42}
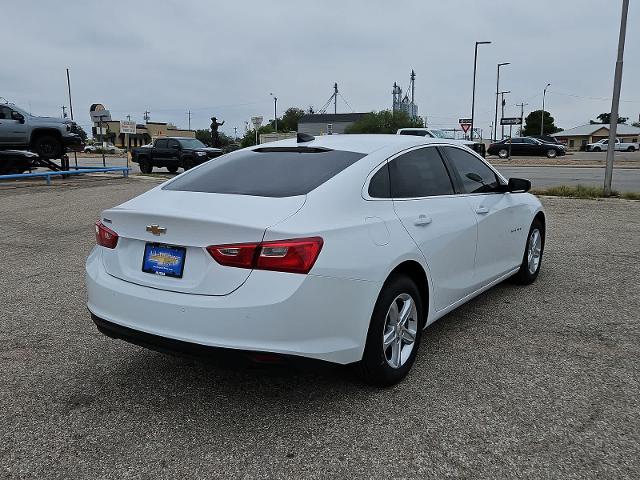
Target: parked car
{"x":16,"y":161}
{"x":173,"y":153}
{"x":341,"y":248}
{"x":435,"y":133}
{"x":547,"y":139}
{"x":97,"y":148}
{"x":525,"y":146}
{"x":47,"y":136}
{"x":620,"y":145}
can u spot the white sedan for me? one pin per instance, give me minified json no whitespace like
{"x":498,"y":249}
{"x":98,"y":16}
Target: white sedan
{"x":341,"y":248}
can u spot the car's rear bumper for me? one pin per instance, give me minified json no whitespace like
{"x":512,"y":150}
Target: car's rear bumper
{"x":303,"y":315}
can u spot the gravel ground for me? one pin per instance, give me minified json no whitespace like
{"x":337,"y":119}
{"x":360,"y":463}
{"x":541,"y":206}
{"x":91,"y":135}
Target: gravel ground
{"x":533,"y":382}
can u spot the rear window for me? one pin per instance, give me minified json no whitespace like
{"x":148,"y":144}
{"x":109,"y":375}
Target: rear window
{"x":266,"y":172}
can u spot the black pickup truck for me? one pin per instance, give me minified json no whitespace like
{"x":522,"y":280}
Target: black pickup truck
{"x":173,"y":153}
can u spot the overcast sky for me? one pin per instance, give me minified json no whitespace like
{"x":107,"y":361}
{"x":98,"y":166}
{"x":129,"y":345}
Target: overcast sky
{"x":224,"y":58}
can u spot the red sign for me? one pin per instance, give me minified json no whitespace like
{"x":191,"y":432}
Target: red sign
{"x":465,"y":127}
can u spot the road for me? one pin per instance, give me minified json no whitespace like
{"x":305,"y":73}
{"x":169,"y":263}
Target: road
{"x":522,"y":382}
{"x":624,"y":179}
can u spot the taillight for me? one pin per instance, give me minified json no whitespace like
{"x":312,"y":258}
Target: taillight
{"x":105,"y":236}
{"x":293,"y":256}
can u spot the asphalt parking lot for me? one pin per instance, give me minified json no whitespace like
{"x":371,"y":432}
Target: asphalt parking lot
{"x":534,"y":382}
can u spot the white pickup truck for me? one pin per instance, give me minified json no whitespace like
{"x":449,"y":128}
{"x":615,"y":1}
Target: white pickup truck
{"x":621,"y":146}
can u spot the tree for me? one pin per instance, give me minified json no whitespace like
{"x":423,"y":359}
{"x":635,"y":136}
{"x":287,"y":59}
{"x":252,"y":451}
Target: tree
{"x":290,"y":119}
{"x":204,"y":136}
{"x":532,"y":124}
{"x":606,"y":119}
{"x":81,"y":133}
{"x":249,"y":138}
{"x":384,"y":121}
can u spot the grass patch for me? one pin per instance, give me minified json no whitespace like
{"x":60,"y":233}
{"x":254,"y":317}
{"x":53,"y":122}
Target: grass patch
{"x":631,"y":195}
{"x":577,"y":191}
{"x":583,"y":191}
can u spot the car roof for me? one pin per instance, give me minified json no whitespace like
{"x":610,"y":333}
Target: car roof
{"x":362,"y":143}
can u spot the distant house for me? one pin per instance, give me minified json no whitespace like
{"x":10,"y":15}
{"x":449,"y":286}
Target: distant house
{"x":580,"y":136}
{"x":327,"y":123}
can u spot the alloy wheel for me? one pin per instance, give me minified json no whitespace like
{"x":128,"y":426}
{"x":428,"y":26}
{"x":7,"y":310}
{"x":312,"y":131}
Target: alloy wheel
{"x":400,"y":329}
{"x":534,"y":251}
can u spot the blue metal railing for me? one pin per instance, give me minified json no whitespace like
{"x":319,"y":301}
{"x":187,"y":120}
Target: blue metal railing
{"x":75,"y":171}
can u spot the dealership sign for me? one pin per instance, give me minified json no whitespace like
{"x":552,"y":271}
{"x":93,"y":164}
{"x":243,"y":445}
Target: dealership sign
{"x":127,"y":127}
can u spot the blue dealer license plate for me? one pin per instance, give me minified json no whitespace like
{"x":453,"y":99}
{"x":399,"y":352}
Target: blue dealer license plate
{"x":163,"y":260}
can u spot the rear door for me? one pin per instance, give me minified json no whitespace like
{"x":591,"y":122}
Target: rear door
{"x":439,"y":221}
{"x":500,"y":216}
{"x":160,"y":150}
{"x":12,"y":132}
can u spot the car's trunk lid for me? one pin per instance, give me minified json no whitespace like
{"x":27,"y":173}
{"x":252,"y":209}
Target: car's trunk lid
{"x":192,"y":220}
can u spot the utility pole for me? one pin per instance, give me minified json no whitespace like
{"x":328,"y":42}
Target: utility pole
{"x":521,"y":105}
{"x":413,"y":94}
{"x":335,"y":98}
{"x":189,"y":116}
{"x":75,"y":154}
{"x":615,"y":102}
{"x":473,"y":96}
{"x":544,"y":94}
{"x":146,"y":116}
{"x":495,"y":123}
{"x":502,"y":103}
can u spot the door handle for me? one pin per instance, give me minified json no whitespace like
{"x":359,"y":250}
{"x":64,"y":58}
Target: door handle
{"x":482,"y":210}
{"x":422,"y":221}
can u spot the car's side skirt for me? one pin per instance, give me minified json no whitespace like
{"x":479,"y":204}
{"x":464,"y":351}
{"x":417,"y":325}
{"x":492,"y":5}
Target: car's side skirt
{"x":441,"y":313}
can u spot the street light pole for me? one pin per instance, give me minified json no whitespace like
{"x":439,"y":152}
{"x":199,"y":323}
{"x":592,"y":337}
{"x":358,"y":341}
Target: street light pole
{"x":495,"y":123}
{"x":615,"y":102}
{"x":473,"y":96}
{"x":275,"y":112}
{"x":544,"y":94}
{"x":502,"y":106}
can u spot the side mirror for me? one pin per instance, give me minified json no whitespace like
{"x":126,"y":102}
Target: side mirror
{"x":17,"y":116}
{"x":518,"y":185}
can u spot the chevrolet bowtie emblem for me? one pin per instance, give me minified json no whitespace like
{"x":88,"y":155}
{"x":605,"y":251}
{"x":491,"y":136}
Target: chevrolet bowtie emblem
{"x":156,"y":229}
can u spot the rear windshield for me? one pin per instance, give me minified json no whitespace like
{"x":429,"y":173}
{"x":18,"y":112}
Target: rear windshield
{"x":271,"y":172}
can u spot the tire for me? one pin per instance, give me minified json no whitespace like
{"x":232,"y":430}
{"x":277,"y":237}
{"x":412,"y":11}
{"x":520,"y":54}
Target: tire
{"x":503,"y":153}
{"x":530,"y":268}
{"x":172,"y":169}
{"x":48,"y":146}
{"x":631,"y":149}
{"x":380,"y":365}
{"x":187,"y":163}
{"x":552,"y":153}
{"x":597,"y":149}
{"x":145,"y":166}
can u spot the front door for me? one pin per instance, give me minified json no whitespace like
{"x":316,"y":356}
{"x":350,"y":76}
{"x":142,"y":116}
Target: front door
{"x":439,"y":221}
{"x":501,"y":234}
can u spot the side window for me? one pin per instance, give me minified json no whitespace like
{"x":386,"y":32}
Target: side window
{"x":173,"y":144}
{"x":475,"y":175}
{"x":419,"y":173}
{"x":162,"y":143}
{"x":379,"y":184}
{"x":5,"y":113}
